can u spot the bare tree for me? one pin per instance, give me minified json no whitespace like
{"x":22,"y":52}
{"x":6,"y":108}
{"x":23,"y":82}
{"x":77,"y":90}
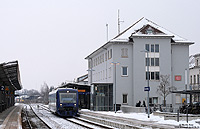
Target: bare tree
{"x":164,"y":88}
{"x":45,"y":92}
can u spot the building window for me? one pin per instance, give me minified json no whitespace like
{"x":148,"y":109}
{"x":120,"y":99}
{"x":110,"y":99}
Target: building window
{"x":152,"y":61}
{"x":110,"y":54}
{"x":152,"y":76}
{"x":124,"y":52}
{"x":106,"y":73}
{"x":157,"y":74}
{"x":197,"y":78}
{"x":147,"y":75}
{"x":153,"y":100}
{"x":156,"y":61}
{"x":106,"y":56}
{"x":156,"y":47}
{"x":124,"y":71}
{"x":125,"y":98}
{"x":147,"y":61}
{"x":194,"y":79}
{"x":147,"y":47}
{"x":152,"y":47}
{"x":150,"y":100}
{"x":110,"y":72}
{"x":191,"y":79}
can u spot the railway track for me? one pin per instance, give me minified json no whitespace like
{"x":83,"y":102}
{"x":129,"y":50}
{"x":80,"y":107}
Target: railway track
{"x":82,"y":122}
{"x":95,"y":120}
{"x":27,"y":119}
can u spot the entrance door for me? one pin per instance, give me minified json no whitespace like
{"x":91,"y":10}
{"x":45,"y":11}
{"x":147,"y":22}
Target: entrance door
{"x":103,"y":97}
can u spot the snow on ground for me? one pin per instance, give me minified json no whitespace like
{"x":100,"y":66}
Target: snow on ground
{"x":53,"y":120}
{"x":143,"y":117}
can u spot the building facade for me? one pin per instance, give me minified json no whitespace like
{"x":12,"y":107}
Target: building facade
{"x":195,"y":77}
{"x":119,"y":70}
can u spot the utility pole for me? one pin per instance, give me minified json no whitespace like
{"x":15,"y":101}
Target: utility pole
{"x":186,"y":84}
{"x":119,"y":22}
{"x":107,"y":32}
{"x":115,"y":83}
{"x":148,"y":75}
{"x":92,"y":87}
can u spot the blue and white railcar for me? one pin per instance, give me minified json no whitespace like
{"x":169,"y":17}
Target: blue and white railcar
{"x":64,"y":102}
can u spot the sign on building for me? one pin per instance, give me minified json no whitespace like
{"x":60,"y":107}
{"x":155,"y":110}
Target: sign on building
{"x":146,"y":88}
{"x":2,"y":88}
{"x":7,"y":88}
{"x":177,"y":77}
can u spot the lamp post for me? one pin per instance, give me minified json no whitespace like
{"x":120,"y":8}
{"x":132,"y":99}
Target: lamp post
{"x":186,"y":84}
{"x":115,"y":63}
{"x":148,"y":74}
{"x":92,"y":88}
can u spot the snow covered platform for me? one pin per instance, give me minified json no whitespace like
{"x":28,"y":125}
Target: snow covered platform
{"x":11,"y":118}
{"x":131,"y":109}
{"x":173,"y":116}
{"x":139,"y":120}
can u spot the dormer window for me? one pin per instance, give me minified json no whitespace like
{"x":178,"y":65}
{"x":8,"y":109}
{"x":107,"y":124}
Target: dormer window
{"x":149,"y":31}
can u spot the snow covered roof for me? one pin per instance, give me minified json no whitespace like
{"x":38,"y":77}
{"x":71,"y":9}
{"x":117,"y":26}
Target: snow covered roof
{"x":141,"y":28}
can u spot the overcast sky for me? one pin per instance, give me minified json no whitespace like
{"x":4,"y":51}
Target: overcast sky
{"x":51,"y":38}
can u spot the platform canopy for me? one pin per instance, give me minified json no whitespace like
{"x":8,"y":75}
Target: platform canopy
{"x":75,"y":85}
{"x":187,"y":92}
{"x":190,"y":92}
{"x":10,"y":75}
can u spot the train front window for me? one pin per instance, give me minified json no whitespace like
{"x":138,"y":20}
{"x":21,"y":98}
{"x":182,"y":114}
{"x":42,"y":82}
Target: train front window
{"x":67,"y":97}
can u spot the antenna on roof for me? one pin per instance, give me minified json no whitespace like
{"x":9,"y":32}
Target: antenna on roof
{"x":119,"y":23}
{"x":107,"y":32}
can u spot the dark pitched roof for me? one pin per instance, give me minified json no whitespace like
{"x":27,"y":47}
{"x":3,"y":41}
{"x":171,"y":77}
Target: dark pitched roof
{"x":10,"y":75}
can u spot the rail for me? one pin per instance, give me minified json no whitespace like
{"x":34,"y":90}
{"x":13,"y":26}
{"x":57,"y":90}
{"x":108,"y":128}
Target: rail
{"x":26,"y":116}
{"x":83,"y":123}
{"x":39,"y":118}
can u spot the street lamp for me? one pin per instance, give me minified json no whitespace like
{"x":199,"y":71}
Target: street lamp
{"x":148,"y":74}
{"x":115,"y":63}
{"x":92,"y":88}
{"x":186,"y":84}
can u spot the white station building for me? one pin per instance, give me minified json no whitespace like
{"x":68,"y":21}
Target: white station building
{"x":119,"y":69}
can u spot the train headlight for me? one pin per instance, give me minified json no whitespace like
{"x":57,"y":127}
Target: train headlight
{"x":61,"y":105}
{"x":74,"y":105}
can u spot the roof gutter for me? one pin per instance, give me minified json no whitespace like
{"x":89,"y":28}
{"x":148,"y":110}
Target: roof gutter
{"x":102,"y":47}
